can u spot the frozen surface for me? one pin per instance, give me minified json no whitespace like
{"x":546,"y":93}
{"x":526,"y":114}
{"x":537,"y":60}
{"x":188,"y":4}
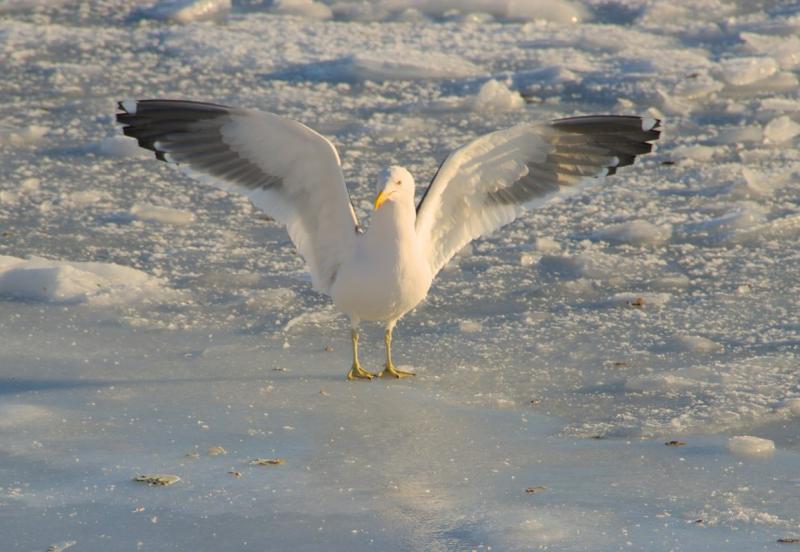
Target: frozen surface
{"x":147,"y":320}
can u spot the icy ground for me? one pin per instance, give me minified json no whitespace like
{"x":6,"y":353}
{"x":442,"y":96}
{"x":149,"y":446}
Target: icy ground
{"x":146,"y":320}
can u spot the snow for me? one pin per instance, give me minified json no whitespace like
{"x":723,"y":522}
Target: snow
{"x":64,"y":282}
{"x":496,"y":96}
{"x":635,"y":232}
{"x":751,"y":447}
{"x":781,"y":129}
{"x":747,"y":70}
{"x":304,"y":8}
{"x":164,"y":215}
{"x":187,"y":11}
{"x":147,"y":319}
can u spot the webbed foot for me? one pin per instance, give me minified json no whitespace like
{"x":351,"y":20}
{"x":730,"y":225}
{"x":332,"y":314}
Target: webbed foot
{"x":391,"y":372}
{"x":357,"y":372}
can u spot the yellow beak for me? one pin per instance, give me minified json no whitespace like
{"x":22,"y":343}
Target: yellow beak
{"x":382,"y":197}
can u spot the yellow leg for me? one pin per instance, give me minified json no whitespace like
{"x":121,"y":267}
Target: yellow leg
{"x":390,"y":370}
{"x":357,"y":372}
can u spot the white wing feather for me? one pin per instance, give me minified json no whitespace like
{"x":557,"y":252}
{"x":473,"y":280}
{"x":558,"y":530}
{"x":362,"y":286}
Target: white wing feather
{"x":489,"y":182}
{"x":286,"y":169}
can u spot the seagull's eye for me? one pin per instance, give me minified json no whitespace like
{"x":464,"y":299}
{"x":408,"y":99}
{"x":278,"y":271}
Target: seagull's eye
{"x":399,"y":182}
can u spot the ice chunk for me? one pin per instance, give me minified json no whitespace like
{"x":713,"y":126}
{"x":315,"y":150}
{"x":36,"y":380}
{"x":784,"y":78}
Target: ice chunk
{"x":696,"y":152}
{"x":793,"y":405}
{"x":781,"y":129}
{"x":751,"y":447}
{"x":695,"y":344}
{"x":547,"y":245}
{"x":119,"y":146}
{"x":784,"y":49}
{"x":557,"y":11}
{"x":741,"y":71}
{"x":660,"y":383}
{"x":753,"y":184}
{"x":495,"y":96}
{"x":164,"y":215}
{"x":186,"y":11}
{"x":303,"y":8}
{"x":544,"y":78}
{"x":21,"y":136}
{"x":740,"y":135}
{"x":640,"y":300}
{"x":38,"y":279}
{"x":407,"y":64}
{"x":470,"y":326}
{"x":635,"y":232}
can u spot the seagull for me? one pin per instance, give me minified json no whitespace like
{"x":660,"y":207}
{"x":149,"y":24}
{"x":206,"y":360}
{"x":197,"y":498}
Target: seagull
{"x":294,"y":175}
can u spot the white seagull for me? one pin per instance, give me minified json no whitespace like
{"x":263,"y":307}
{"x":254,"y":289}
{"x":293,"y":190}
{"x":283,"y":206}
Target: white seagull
{"x":293,"y":174}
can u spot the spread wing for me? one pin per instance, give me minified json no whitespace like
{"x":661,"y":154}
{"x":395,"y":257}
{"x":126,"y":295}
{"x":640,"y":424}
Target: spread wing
{"x":493,"y":179}
{"x":286,"y":169}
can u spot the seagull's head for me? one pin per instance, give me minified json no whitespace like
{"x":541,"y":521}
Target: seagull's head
{"x":395,"y":184}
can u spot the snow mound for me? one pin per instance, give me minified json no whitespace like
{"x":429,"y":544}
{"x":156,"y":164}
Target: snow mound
{"x":784,"y":49}
{"x":793,"y":405}
{"x":751,"y":447}
{"x":164,"y":215}
{"x":470,"y":326}
{"x":119,"y":146}
{"x":695,"y":344}
{"x":747,"y":70}
{"x":187,"y":11}
{"x":640,"y":300}
{"x":556,"y":11}
{"x":405,"y":64}
{"x":635,"y":232}
{"x":302,"y":8}
{"x":21,"y":136}
{"x":781,"y":129}
{"x":64,"y":282}
{"x":496,"y":96}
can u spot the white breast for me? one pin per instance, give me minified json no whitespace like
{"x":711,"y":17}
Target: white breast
{"x":387,"y":275}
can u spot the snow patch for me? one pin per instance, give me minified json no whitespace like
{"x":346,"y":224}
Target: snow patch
{"x":164,"y":215}
{"x":694,"y":344}
{"x":302,"y":8}
{"x":747,"y":70}
{"x":640,"y":300}
{"x":635,"y":232}
{"x":793,"y":405}
{"x":407,"y":64}
{"x":119,"y":146}
{"x":470,"y":326}
{"x":781,"y":129}
{"x":696,"y":152}
{"x":49,"y":281}
{"x":496,"y":96}
{"x":784,"y":49}
{"x":188,"y":11}
{"x":21,"y":136}
{"x":751,"y":447}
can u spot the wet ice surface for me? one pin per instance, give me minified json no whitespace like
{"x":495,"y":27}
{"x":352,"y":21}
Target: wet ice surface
{"x":562,"y":352}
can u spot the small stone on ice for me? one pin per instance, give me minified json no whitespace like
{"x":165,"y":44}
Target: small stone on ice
{"x":161,"y":480}
{"x":535,"y":490}
{"x":749,"y":446}
{"x":216,"y":451}
{"x":266,"y":462}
